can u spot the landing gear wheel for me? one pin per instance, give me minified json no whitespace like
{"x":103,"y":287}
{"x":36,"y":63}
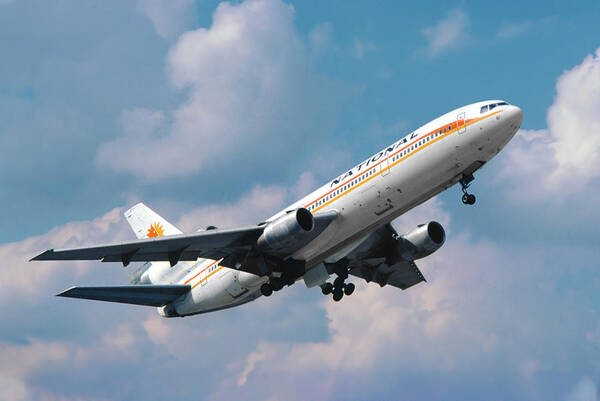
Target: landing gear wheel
{"x":276,"y":284}
{"x":338,"y":282}
{"x":467,"y":198}
{"x":348,"y":289}
{"x":266,"y":289}
{"x":338,"y":294}
{"x":327,"y":288}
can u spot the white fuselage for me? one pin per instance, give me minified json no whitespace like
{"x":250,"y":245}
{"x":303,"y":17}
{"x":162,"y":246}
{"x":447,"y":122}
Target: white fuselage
{"x":383,"y":187}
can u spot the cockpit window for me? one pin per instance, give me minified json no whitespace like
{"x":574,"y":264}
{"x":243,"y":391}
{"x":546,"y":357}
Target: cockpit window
{"x":491,"y":106}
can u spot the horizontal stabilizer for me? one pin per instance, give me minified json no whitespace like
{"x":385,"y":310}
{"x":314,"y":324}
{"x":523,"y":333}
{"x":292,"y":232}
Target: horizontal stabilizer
{"x":149,"y":295}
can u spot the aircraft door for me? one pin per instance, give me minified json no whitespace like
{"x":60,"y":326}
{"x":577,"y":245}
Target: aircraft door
{"x":460,"y":123}
{"x":385,"y":167}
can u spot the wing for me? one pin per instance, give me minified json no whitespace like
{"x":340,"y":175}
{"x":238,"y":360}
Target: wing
{"x":402,"y":275}
{"x":149,"y":295}
{"x":376,"y":259}
{"x":211,"y":244}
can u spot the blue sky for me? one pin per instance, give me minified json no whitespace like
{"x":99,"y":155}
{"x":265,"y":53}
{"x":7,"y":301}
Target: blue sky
{"x":221,"y":114}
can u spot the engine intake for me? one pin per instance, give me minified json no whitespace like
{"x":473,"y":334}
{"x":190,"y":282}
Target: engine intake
{"x":422,"y":241}
{"x":287,"y":231}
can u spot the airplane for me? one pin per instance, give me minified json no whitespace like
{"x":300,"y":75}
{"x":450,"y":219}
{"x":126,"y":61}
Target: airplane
{"x":341,"y":229}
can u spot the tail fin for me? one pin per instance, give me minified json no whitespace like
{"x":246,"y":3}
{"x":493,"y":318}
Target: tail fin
{"x":147,"y":223}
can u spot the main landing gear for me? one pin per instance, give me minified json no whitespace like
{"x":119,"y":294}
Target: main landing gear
{"x":274,"y":284}
{"x":467,"y":198}
{"x":339,"y":288}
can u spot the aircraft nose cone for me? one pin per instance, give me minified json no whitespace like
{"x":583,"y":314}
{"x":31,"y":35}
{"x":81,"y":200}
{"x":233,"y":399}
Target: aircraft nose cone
{"x":516,"y":115}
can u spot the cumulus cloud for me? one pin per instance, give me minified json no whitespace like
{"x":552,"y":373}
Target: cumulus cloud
{"x":260,"y":203}
{"x":251,"y":91}
{"x":20,"y":361}
{"x":447,"y":33}
{"x":473,"y":315}
{"x":125,"y":339}
{"x":470,"y":317}
{"x":320,"y":36}
{"x":25,"y":278}
{"x":513,"y":29}
{"x":168,"y":17}
{"x":585,"y":390}
{"x":574,"y":122}
{"x":564,"y":157}
{"x":360,"y":48}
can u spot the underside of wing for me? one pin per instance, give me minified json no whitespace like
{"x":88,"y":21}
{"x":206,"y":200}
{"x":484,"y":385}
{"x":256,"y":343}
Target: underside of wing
{"x":148,"y":295}
{"x":256,"y":249}
{"x":402,"y":275}
{"x":212,"y":244}
{"x":377,"y":260}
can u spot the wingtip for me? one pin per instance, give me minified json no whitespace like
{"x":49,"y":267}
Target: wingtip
{"x":65,"y":293}
{"x":42,"y":256}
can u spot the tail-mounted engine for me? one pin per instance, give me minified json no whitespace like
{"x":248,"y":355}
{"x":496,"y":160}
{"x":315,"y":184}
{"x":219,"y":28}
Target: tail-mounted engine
{"x":422,"y":241}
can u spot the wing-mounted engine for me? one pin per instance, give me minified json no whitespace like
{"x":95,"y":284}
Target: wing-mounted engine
{"x":422,"y":241}
{"x":292,"y":231}
{"x":388,"y":258}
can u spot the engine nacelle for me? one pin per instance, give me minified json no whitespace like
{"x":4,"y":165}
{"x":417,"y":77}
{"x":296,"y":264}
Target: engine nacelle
{"x":287,"y":231}
{"x":422,"y":241}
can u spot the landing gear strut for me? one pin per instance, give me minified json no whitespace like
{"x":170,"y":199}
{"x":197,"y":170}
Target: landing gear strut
{"x":339,"y":288}
{"x":467,"y":198}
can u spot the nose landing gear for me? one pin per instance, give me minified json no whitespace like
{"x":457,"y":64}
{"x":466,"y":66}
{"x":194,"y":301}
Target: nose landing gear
{"x":467,"y":198}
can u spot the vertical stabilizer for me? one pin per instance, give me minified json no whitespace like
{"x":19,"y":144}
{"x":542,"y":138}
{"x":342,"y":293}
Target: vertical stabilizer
{"x":146,"y":223}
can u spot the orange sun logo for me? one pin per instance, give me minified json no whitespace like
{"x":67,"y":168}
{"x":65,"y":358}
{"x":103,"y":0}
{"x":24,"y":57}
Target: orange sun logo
{"x":156,"y":230}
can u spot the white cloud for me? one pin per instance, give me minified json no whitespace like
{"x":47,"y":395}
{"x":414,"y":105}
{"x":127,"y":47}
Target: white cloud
{"x":447,"y":33}
{"x":574,"y":122}
{"x":260,"y":203}
{"x":585,"y":390}
{"x":20,"y":361}
{"x":257,"y":205}
{"x":157,"y":329}
{"x":472,"y":315}
{"x":27,"y":278}
{"x":251,"y":361}
{"x":251,"y":97}
{"x":513,"y":29}
{"x":360,"y":48}
{"x":169,"y":17}
{"x":320,"y":37}
{"x":561,"y":160}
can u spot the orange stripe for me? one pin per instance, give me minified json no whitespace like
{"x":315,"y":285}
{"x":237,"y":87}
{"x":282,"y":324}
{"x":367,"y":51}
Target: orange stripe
{"x":207,"y":267}
{"x":453,"y":129}
{"x":195,"y":285}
